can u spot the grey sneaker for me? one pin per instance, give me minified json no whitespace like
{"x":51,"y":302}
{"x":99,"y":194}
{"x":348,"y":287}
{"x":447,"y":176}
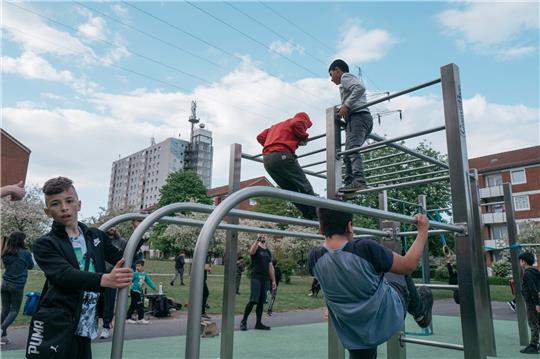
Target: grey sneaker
{"x":426,"y":298}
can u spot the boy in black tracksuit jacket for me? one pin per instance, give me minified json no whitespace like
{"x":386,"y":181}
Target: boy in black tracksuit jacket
{"x":62,"y":254}
{"x":531,"y":294}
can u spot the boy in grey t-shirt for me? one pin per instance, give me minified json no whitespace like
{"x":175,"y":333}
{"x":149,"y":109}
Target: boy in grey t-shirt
{"x":363,"y":284}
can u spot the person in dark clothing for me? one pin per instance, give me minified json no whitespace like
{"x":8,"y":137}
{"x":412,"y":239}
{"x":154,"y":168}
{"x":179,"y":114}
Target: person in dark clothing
{"x":315,"y":288}
{"x":273,"y":292}
{"x":279,"y":146}
{"x":358,"y":122}
{"x":453,"y":279}
{"x":531,"y":294}
{"x":179,"y":262}
{"x":73,"y":257}
{"x":109,"y":294}
{"x":206,"y":291}
{"x":16,"y":260}
{"x":240,"y":267}
{"x":262,"y":270}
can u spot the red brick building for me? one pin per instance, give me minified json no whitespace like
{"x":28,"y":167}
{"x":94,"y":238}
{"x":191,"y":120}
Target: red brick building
{"x":14,"y":159}
{"x":521,"y":168}
{"x":218,"y":194}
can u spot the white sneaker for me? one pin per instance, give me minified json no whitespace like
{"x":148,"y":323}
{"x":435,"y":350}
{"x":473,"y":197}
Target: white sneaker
{"x":131,"y":321}
{"x":105,"y":333}
{"x":143,"y":321}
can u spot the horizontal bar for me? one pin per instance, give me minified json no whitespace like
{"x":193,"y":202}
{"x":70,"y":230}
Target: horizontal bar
{"x":430,"y":232}
{"x":252,"y":158}
{"x":491,"y":203}
{"x":430,"y":343}
{"x":316,"y":137}
{"x":402,"y":201}
{"x":403,"y":92}
{"x":394,"y":164}
{"x":405,"y":149}
{"x":391,"y":140}
{"x":409,"y":177}
{"x":263,"y":191}
{"x":311,"y":153}
{"x":385,"y":157}
{"x":439,"y":209}
{"x":314,"y":164}
{"x":319,"y":172}
{"x":438,"y":286}
{"x":403,"y":171}
{"x":404,"y":184}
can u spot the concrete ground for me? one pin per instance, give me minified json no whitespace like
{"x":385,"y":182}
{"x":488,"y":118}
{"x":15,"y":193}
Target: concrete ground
{"x":298,"y":334}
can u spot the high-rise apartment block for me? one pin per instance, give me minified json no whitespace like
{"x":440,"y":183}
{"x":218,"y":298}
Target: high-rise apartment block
{"x":137,"y":179}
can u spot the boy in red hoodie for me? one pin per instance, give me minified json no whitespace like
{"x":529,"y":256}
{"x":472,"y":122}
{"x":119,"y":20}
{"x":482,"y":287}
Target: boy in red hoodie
{"x":279,"y":146}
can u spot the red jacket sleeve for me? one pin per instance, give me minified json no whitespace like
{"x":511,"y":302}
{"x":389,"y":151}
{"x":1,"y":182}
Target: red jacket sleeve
{"x":299,"y":129}
{"x":261,"y":137}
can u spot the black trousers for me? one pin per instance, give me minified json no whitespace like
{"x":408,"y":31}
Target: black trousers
{"x":205,"y":295}
{"x":80,"y":348}
{"x":136,"y":304}
{"x":284,"y":168}
{"x":109,"y":300}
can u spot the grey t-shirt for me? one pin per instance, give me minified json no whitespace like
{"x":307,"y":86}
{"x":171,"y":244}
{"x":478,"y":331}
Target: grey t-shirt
{"x":365,"y":309}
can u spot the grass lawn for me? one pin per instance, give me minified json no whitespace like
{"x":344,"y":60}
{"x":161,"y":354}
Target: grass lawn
{"x":290,"y":296}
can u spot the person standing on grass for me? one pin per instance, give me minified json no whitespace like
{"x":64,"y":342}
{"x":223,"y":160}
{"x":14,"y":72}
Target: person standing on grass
{"x":16,"y":261}
{"x":240,"y":267}
{"x":262,"y":271}
{"x":531,"y":294}
{"x":179,"y":263}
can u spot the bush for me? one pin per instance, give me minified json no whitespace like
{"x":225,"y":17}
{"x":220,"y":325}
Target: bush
{"x":287,"y":265}
{"x":441,"y":273}
{"x":498,"y":281}
{"x":501,"y":268}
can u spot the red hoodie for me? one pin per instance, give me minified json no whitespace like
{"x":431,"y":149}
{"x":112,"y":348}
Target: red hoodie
{"x":285,"y":136}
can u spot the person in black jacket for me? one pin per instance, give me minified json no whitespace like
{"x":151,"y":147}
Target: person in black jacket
{"x":179,"y":262}
{"x":531,"y":294}
{"x":73,"y":257}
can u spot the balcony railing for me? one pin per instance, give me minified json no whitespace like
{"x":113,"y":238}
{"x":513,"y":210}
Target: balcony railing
{"x":495,"y":217}
{"x":489,"y":192}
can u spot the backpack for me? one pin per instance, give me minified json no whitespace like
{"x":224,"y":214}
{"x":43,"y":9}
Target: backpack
{"x":160,"y":307}
{"x":32,"y":302}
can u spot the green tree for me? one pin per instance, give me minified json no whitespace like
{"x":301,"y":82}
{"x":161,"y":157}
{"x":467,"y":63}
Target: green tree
{"x":277,"y":207}
{"x":180,"y":186}
{"x":25,"y":215}
{"x":183,"y":186}
{"x":125,"y":229}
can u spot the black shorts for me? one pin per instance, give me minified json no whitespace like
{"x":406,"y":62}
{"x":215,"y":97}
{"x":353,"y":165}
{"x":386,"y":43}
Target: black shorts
{"x":259,"y":288}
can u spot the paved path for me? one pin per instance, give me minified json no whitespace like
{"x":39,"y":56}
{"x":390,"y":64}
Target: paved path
{"x":177,"y":325}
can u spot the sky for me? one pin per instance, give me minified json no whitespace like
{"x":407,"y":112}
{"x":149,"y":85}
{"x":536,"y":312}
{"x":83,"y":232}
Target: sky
{"x":86,"y":83}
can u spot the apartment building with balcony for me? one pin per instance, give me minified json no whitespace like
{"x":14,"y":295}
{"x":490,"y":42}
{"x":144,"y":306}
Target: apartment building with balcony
{"x":521,"y":168}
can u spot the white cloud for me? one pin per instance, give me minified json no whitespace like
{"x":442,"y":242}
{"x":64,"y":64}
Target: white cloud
{"x":286,"y":48}
{"x":31,"y":66}
{"x":491,"y":27}
{"x":359,"y":45}
{"x":120,"y":11}
{"x":51,"y":96}
{"x":516,"y":52}
{"x":29,"y":31}
{"x":93,"y":29}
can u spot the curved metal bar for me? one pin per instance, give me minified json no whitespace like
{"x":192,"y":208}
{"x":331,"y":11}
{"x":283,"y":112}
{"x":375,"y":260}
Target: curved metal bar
{"x":438,"y":286}
{"x":253,"y":158}
{"x":212,"y":222}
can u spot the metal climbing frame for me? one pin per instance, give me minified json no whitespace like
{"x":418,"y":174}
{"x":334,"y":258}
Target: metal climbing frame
{"x":207,"y":231}
{"x":161,"y":217}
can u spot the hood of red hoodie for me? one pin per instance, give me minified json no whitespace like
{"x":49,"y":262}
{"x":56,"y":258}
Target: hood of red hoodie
{"x":304,"y":118}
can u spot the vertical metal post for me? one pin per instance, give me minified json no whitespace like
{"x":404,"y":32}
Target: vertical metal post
{"x":484,"y":304}
{"x":516,"y":271}
{"x":333,"y":182}
{"x":422,"y":202}
{"x":231,"y":253}
{"x":461,"y":208}
{"x":394,"y":348}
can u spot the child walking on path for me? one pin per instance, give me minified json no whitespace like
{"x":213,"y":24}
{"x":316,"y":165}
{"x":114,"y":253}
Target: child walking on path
{"x":140,"y":277}
{"x":531,"y":294}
